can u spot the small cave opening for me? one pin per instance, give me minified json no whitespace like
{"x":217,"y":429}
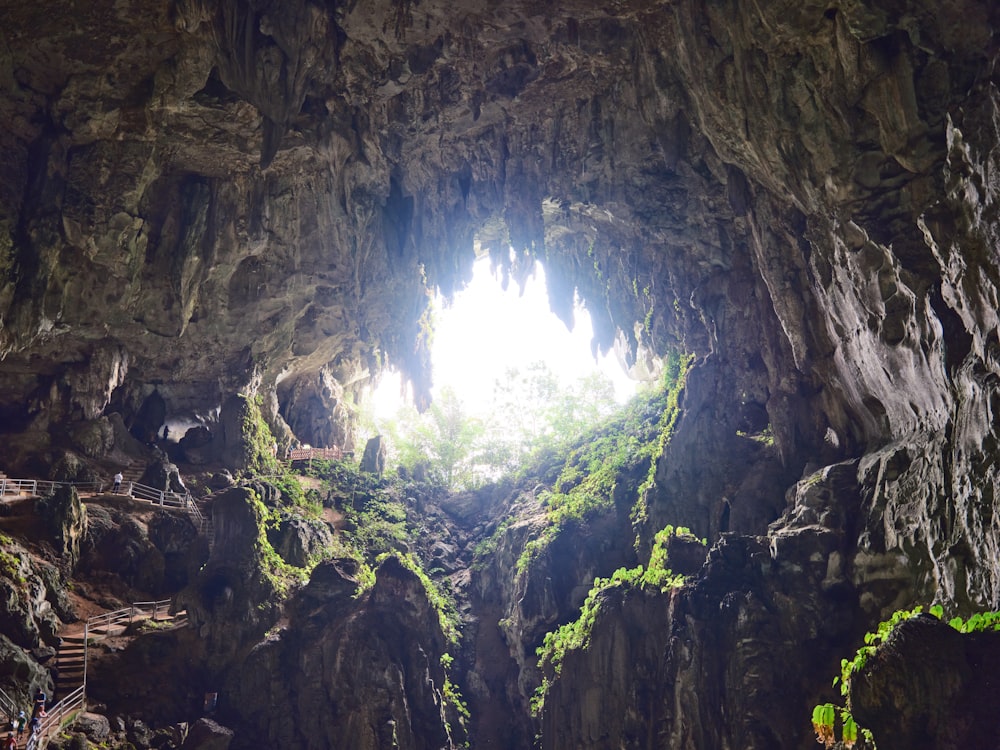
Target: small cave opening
{"x":218,"y":590}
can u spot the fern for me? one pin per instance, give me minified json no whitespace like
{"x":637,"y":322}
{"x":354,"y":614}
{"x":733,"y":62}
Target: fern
{"x":824,"y":715}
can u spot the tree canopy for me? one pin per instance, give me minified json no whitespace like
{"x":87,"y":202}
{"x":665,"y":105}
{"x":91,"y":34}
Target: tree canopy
{"x":530,"y":410}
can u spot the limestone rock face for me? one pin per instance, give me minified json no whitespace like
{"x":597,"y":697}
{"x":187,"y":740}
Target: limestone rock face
{"x":363,"y":673}
{"x":66,"y":518}
{"x":373,"y":460}
{"x":234,"y":598}
{"x":258,"y":197}
{"x":206,"y":734}
{"x":32,"y":600}
{"x":299,"y":540}
{"x":23,"y":675}
{"x":150,"y":556}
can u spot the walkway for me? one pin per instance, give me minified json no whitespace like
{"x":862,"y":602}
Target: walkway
{"x":175,"y":501}
{"x":308,"y":454}
{"x":71,"y":661}
{"x":70,"y":679}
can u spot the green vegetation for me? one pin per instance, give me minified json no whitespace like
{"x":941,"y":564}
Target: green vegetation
{"x":275,"y":570}
{"x":380,"y":525}
{"x":450,"y":692}
{"x":443,"y":604}
{"x":621,"y":446}
{"x":825,"y":716}
{"x":765,"y":436}
{"x":576,"y":634}
{"x":486,"y":547}
{"x":444,"y":439}
{"x":10,"y":566}
{"x":259,"y":457}
{"x":532,"y":413}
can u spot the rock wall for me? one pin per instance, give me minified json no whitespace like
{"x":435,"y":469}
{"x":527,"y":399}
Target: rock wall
{"x":202,"y":200}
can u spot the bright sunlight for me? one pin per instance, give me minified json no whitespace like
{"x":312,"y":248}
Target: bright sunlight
{"x":486,"y":330}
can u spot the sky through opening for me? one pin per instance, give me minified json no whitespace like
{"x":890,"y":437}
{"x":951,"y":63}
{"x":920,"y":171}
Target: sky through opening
{"x":486,"y":330}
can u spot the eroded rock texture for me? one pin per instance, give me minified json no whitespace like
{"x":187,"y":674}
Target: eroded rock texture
{"x":203,"y":199}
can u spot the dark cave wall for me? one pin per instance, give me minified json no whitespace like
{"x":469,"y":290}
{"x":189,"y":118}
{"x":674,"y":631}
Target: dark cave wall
{"x":258,"y":197}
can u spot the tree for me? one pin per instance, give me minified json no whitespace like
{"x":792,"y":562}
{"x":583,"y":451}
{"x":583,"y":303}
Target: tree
{"x":534,"y":410}
{"x":531,"y":411}
{"x":444,"y":438}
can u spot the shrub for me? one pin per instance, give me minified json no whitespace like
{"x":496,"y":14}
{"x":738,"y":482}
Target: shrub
{"x":825,"y":715}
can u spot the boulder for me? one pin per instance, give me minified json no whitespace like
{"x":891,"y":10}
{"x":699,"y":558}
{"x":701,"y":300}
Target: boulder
{"x":206,"y":734}
{"x":373,"y":460}
{"x":95,"y":726}
{"x":299,"y":540}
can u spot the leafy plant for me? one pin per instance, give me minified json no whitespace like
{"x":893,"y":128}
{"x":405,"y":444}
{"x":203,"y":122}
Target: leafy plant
{"x":443,"y":603}
{"x":576,"y":634}
{"x":825,"y":715}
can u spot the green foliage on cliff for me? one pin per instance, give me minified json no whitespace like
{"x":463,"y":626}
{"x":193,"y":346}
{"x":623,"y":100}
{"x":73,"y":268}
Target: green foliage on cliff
{"x":380,"y":525}
{"x":576,"y":634}
{"x":381,"y":520}
{"x":273,"y":568}
{"x":9,"y":565}
{"x":443,"y":603}
{"x":588,"y":477}
{"x":258,"y":442}
{"x":532,"y":414}
{"x":674,"y":377}
{"x":825,"y":716}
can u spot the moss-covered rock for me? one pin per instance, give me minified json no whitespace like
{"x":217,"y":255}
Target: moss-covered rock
{"x":65,"y":517}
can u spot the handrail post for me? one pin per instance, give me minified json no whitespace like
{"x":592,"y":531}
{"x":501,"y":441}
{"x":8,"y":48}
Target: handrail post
{"x":86,"y":642}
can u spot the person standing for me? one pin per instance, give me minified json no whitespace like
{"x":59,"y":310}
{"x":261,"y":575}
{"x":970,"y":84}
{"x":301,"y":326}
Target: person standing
{"x":22,"y":721}
{"x":10,"y":743}
{"x":118,"y":482}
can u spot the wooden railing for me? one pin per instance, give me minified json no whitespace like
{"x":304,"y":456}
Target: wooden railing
{"x":303,"y":454}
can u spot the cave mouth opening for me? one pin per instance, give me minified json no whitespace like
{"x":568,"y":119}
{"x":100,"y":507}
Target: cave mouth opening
{"x":485,"y":330}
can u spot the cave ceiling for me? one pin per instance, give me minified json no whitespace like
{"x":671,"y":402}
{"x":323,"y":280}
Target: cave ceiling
{"x":260,"y":196}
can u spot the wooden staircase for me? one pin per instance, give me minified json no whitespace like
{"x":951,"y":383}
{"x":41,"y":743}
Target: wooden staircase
{"x":70,"y":662}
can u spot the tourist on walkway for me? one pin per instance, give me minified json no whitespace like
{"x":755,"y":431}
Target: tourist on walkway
{"x":10,"y":743}
{"x":22,"y":721}
{"x":118,"y":482}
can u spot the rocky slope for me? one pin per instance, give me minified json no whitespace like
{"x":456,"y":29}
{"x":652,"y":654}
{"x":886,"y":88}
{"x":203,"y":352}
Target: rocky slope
{"x":244,"y":198}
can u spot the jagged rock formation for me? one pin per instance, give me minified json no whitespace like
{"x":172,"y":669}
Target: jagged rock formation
{"x":363,"y":673}
{"x":199,"y":200}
